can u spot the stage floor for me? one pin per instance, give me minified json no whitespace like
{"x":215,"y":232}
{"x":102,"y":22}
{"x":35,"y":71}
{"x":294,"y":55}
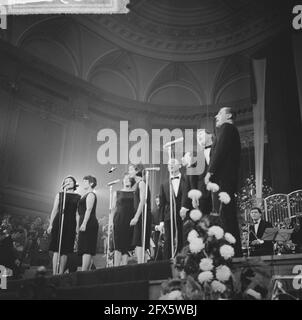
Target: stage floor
{"x":137,"y":282}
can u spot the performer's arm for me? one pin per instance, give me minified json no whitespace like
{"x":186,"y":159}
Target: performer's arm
{"x":162,"y":203}
{"x":113,"y":204}
{"x":141,"y":203}
{"x":54,"y":212}
{"x":89,"y":205}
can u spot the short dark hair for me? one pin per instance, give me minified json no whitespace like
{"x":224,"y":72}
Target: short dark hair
{"x":92,"y":181}
{"x":139,"y":168}
{"x":256,"y":208}
{"x":75,"y":185}
{"x":231,"y":111}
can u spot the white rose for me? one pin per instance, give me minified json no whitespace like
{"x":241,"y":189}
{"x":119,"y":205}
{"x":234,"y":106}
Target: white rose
{"x":216,"y":231}
{"x":217,"y":286}
{"x":212,"y":187}
{"x":205,"y":276}
{"x":226,"y":251}
{"x":229,"y":238}
{"x":224,"y":197}
{"x":206,"y":264}
{"x":195,"y":214}
{"x":223,"y":273}
{"x":196,"y":245}
{"x":194,"y":194}
{"x":192,"y":235}
{"x":173,"y":295}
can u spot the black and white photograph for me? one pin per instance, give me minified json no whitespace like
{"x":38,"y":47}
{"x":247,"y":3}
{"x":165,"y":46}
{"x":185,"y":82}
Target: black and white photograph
{"x":151,"y":150}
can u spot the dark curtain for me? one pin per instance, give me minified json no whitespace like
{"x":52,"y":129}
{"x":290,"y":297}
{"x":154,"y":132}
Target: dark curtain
{"x":282,"y":112}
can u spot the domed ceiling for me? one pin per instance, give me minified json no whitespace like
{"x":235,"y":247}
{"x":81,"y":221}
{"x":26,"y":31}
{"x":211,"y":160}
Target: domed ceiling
{"x":190,"y":29}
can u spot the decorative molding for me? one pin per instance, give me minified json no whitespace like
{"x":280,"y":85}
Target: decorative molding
{"x":137,"y":33}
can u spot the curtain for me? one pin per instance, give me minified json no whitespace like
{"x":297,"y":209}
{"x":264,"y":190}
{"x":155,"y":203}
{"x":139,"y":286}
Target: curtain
{"x":259,"y":67}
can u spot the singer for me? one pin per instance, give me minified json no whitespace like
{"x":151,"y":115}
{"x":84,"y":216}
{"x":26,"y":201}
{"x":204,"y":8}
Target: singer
{"x":87,"y":223}
{"x":69,"y":224}
{"x":123,"y":213}
{"x":136,"y":172}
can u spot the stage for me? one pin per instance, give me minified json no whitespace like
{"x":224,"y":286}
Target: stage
{"x":132,"y":282}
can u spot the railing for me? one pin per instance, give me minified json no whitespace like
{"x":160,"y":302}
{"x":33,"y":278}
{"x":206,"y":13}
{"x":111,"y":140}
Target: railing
{"x":280,"y":206}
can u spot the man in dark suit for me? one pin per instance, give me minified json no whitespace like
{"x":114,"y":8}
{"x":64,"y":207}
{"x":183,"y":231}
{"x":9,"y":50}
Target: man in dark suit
{"x":155,"y":225}
{"x":259,"y":246}
{"x":177,"y":184}
{"x":196,"y":181}
{"x":224,"y":170}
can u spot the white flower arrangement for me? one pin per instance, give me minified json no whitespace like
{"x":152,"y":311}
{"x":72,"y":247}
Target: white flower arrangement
{"x":193,"y":234}
{"x":224,"y":197}
{"x":205,"y":276}
{"x":226,"y":251}
{"x":217,"y":286}
{"x":196,"y":245}
{"x":206,"y":264}
{"x":194,"y":194}
{"x":223,"y":273}
{"x":229,"y":238}
{"x":213,"y":187}
{"x":216,"y":231}
{"x":173,"y":295}
{"x":195,"y":214}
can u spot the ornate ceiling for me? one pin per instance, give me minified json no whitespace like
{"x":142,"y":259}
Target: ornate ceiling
{"x":191,"y":29}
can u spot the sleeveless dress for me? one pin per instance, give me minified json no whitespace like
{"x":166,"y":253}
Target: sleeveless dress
{"x":69,"y":224}
{"x":137,"y":240}
{"x":88,"y":239}
{"x":122,"y":231}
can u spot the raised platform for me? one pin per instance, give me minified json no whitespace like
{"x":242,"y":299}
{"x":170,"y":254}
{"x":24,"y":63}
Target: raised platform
{"x":133,"y":282}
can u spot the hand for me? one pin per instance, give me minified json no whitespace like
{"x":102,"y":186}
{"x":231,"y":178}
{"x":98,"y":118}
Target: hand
{"x":195,"y":203}
{"x":161,"y":228}
{"x":133,"y":222}
{"x":183,"y":212}
{"x":83,"y":227}
{"x":257,"y":242}
{"x":207,"y":178}
{"x":49,"y":229}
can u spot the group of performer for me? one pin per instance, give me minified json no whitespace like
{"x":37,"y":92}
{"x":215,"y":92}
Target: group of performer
{"x":132,"y":224}
{"x":222,"y":160}
{"x":71,"y":215}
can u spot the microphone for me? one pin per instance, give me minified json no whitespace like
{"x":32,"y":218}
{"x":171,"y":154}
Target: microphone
{"x":169,"y":144}
{"x":153,"y":169}
{"x":67,"y":183}
{"x":112,"y":169}
{"x":113,"y":182}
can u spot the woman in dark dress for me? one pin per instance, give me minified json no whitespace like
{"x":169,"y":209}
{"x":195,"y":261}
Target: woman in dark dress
{"x":136,"y":172}
{"x":122,"y":231}
{"x":69,"y":224}
{"x":87,"y":223}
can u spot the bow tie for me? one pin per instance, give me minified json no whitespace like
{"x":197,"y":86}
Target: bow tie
{"x":256,"y":222}
{"x":174,"y":177}
{"x":207,"y":147}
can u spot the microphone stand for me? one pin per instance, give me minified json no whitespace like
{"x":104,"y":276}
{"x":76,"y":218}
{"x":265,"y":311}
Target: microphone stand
{"x":172,"y":203}
{"x":62,"y":213}
{"x":109,"y":225}
{"x":144,"y":217}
